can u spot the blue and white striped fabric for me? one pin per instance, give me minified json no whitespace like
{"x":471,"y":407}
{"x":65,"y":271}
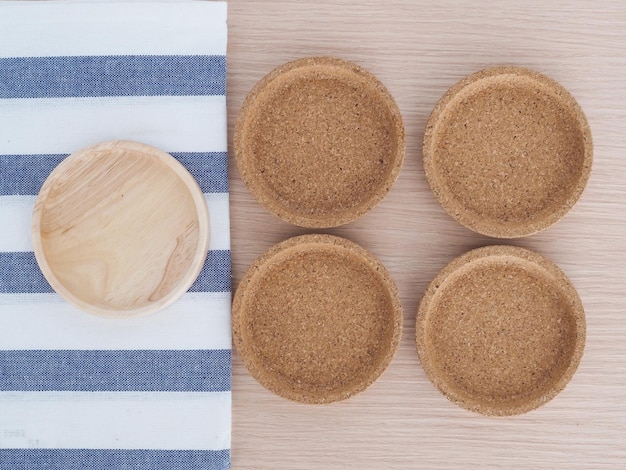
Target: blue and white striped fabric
{"x":79,"y":391}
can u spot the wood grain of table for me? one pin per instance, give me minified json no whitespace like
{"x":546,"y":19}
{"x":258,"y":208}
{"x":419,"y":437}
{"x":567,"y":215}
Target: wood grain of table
{"x":418,"y":50}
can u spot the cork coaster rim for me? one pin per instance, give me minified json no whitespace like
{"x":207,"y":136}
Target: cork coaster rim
{"x":526,"y":260}
{"x":304,"y":69}
{"x":517,"y":76}
{"x":284,"y":250}
{"x":168,"y":164}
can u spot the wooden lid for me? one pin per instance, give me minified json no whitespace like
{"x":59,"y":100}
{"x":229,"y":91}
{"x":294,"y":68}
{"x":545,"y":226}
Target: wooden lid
{"x":319,"y":141}
{"x":507,"y":152}
{"x":500,"y":330}
{"x":120,"y":228}
{"x":316,"y":319}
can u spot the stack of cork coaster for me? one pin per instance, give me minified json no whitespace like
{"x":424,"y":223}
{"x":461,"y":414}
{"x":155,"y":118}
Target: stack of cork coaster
{"x":319,"y":142}
{"x":316,"y":319}
{"x":500,"y":330}
{"x":507,"y":152}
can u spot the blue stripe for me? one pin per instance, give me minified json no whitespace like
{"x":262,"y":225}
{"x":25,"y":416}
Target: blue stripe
{"x":20,"y":273}
{"x":127,"y":75}
{"x":113,"y":459}
{"x":115,"y":371}
{"x":210,"y":169}
{"x":215,"y":275}
{"x":25,"y":174}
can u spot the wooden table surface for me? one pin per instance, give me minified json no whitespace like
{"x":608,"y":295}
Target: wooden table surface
{"x":418,"y":50}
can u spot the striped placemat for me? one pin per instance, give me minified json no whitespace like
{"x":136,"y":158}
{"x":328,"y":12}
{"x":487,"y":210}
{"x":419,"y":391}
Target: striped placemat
{"x":78,"y":391}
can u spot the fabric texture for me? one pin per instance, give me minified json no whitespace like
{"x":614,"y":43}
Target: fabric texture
{"x":78,"y":391}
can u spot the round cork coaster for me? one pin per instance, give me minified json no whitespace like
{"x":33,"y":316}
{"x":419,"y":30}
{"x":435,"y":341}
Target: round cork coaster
{"x":319,"y":141}
{"x":120,"y":228}
{"x":507,"y":152}
{"x":316,"y":319}
{"x":500,"y":330}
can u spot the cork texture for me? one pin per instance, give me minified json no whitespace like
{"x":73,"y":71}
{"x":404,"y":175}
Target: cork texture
{"x":319,"y":141}
{"x":500,"y":330}
{"x":316,"y":319}
{"x":507,"y":152}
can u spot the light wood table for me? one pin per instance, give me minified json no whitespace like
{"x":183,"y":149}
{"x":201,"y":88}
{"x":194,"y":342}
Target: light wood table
{"x":419,"y":49}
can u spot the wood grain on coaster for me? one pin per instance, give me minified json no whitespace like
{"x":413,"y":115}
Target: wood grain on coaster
{"x":120,"y":228}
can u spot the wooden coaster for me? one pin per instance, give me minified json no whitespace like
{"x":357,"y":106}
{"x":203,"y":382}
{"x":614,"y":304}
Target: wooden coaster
{"x":507,"y":152}
{"x":316,"y":319}
{"x":500,"y":330}
{"x":120,"y":229}
{"x":319,"y":141}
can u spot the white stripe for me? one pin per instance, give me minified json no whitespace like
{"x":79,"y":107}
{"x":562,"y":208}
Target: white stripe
{"x":64,"y":125}
{"x":115,"y":420}
{"x":16,"y":214}
{"x":219,"y":221}
{"x":198,"y":320}
{"x":40,"y":29}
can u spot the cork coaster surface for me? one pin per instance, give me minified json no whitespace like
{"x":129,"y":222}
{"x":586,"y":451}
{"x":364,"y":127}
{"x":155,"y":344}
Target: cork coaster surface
{"x":507,"y":151}
{"x":316,"y":319}
{"x":319,"y":141}
{"x":500,"y":330}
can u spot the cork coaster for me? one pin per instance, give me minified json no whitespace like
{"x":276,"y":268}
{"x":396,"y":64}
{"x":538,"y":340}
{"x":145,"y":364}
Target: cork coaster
{"x":316,"y":319}
{"x":120,"y":229}
{"x":319,"y":141}
{"x":500,"y":330}
{"x":507,"y":152}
